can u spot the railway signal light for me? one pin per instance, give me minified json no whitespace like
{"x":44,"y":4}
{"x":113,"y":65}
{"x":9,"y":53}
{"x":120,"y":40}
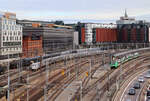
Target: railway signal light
{"x":87,"y":73}
{"x":63,"y":72}
{"x":76,"y":99}
{"x":18,"y":99}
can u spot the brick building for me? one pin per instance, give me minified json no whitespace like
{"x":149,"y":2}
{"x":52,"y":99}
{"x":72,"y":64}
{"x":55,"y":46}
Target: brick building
{"x":53,"y":39}
{"x":32,"y":44}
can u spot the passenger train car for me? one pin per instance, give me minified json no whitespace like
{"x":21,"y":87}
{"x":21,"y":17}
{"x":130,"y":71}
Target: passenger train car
{"x":62,"y":56}
{"x":120,"y":59}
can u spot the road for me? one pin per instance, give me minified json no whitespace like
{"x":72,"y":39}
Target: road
{"x":125,"y":96}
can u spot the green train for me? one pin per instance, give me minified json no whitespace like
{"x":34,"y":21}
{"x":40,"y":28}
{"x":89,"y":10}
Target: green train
{"x":118,"y":60}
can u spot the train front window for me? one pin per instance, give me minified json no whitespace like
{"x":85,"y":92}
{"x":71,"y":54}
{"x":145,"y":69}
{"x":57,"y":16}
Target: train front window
{"x":148,"y":93}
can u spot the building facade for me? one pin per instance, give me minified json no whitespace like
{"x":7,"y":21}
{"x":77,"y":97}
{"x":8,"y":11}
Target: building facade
{"x":53,"y":39}
{"x":32,"y":45}
{"x":128,"y":20}
{"x":131,"y":30}
{"x":133,"y":33}
{"x":86,"y":31}
{"x":104,"y":35}
{"x":10,"y":36}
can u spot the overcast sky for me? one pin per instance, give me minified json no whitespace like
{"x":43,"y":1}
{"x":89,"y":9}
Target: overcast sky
{"x":75,"y":9}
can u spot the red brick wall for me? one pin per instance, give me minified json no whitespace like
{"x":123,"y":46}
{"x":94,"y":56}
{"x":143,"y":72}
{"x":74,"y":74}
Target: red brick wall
{"x":31,"y":48}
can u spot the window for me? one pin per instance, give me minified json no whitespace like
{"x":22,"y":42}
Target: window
{"x":4,"y":27}
{"x":3,"y":38}
{"x":4,"y":33}
{"x":5,"y":21}
{"x":11,"y":38}
{"x":19,"y":33}
{"x":7,"y":27}
{"x":8,"y":21}
{"x":14,"y":22}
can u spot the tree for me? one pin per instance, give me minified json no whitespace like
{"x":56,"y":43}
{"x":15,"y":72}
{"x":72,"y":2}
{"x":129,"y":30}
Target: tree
{"x":59,"y":22}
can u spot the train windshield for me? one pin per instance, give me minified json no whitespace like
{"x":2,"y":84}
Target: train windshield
{"x":148,"y":93}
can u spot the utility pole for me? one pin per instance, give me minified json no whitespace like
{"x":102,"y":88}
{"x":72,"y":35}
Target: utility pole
{"x":20,"y":67}
{"x":71,"y":58}
{"x":46,"y":84}
{"x":28,"y":77}
{"x":117,"y":84}
{"x":28,"y":84}
{"x":121,"y":72}
{"x":81,"y":91}
{"x":90,"y":68}
{"x":69,"y":96}
{"x":65,"y":61}
{"x":76,"y":68}
{"x":97,"y":93}
{"x":108,"y":86}
{"x":8,"y":91}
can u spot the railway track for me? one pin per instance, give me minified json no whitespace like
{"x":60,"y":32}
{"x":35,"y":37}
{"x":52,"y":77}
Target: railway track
{"x":5,"y":75}
{"x":127,"y":71}
{"x":14,"y":77}
{"x":33,"y":74}
{"x":42,"y":84}
{"x":96,"y":61}
{"x":60,"y":81}
{"x":142,"y":94}
{"x":122,"y":95}
{"x":70,"y":82}
{"x":105,"y":76}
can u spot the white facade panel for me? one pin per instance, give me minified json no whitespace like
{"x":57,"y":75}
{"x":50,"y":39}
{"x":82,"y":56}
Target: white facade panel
{"x":76,"y":38}
{"x":89,"y":28}
{"x":7,"y":38}
{"x":149,"y":35}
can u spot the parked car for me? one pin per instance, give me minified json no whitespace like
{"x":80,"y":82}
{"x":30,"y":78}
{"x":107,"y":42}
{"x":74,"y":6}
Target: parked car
{"x":148,"y":92}
{"x":132,"y":91}
{"x":128,"y":100}
{"x":136,"y":85}
{"x":141,"y":79}
{"x":147,"y":75}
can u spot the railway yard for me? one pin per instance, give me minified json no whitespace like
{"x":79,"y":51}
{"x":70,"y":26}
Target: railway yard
{"x":86,"y":76}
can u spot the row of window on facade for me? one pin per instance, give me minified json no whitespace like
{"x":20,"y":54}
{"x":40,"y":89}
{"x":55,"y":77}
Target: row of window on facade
{"x":11,"y":27}
{"x":12,"y":33}
{"x":9,"y":21}
{"x":11,"y":49}
{"x":12,"y":38}
{"x":12,"y":43}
